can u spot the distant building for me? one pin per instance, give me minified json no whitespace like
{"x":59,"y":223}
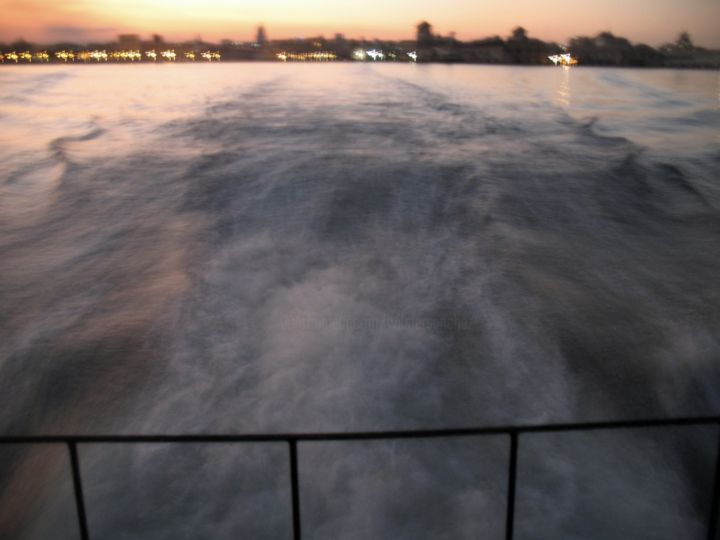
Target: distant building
{"x":425,"y":36}
{"x":342,"y":47}
{"x":22,"y":45}
{"x":517,"y":49}
{"x":519,"y":34}
{"x":429,"y":47}
{"x":129,"y":42}
{"x":261,"y":39}
{"x":606,"y":49}
{"x":485,"y":51}
{"x":521,"y":49}
{"x":683,"y":53}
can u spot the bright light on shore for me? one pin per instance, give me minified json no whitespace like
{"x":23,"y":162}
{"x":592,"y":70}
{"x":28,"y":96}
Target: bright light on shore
{"x":65,"y":56}
{"x":98,"y":56}
{"x":563,"y":59}
{"x":375,"y":54}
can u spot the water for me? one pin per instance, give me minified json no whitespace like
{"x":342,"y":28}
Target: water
{"x":265,"y":247}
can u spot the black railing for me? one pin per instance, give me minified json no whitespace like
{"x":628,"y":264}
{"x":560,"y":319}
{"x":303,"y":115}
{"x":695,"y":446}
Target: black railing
{"x":292,"y":439}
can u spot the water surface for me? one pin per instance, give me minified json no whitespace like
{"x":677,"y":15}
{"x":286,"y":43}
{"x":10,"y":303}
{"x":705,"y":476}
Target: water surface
{"x":264,"y":247}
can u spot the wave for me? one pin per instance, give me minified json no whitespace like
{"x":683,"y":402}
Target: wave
{"x":59,"y":147}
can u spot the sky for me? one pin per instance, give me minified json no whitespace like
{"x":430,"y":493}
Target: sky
{"x":648,"y":21}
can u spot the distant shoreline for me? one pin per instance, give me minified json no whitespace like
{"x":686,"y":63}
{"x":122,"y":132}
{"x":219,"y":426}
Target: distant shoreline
{"x":518,"y":49}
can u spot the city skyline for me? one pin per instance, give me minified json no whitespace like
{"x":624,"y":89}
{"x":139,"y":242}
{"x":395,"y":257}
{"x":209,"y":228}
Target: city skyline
{"x":653,"y":22}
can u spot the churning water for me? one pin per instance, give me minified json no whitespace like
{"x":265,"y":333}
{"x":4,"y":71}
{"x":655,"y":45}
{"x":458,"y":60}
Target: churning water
{"x":260,"y":247}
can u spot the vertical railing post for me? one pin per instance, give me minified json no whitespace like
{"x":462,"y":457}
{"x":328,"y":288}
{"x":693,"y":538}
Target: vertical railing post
{"x":77,"y":485}
{"x":715,"y":508}
{"x":295,"y":487}
{"x":512,"y":478}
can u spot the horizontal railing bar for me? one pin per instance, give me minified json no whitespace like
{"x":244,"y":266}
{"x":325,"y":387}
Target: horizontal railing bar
{"x":360,"y":435}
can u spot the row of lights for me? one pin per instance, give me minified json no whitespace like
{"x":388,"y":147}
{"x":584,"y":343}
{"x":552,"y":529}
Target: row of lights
{"x":362,"y":55}
{"x":320,"y":56}
{"x":211,"y":56}
{"x":24,"y":56}
{"x":103,"y":56}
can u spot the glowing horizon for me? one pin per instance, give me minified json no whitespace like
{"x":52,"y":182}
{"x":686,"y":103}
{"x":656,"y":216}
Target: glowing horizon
{"x":645,"y":21}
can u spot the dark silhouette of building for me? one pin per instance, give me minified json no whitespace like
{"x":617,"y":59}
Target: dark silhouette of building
{"x":342,"y":47}
{"x":606,"y":49}
{"x":684,"y":42}
{"x":261,"y":37}
{"x":684,"y":53}
{"x":521,"y":49}
{"x":129,"y":42}
{"x":436,"y":48}
{"x":425,"y":46}
{"x":519,"y":34}
{"x":484,"y":51}
{"x":424,"y":34}
{"x":518,"y":49}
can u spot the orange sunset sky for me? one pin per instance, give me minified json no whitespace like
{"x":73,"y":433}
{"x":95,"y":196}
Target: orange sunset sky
{"x":650,"y":21}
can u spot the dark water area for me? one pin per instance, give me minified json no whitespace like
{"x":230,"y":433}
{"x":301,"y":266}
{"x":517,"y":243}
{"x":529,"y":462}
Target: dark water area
{"x":282,"y":248}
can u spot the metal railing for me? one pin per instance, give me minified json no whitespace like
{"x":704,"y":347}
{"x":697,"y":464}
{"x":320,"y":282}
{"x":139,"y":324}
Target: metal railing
{"x":292,"y":439}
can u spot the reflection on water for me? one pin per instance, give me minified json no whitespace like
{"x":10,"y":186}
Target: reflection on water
{"x":563,"y":93}
{"x":237,"y":247}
